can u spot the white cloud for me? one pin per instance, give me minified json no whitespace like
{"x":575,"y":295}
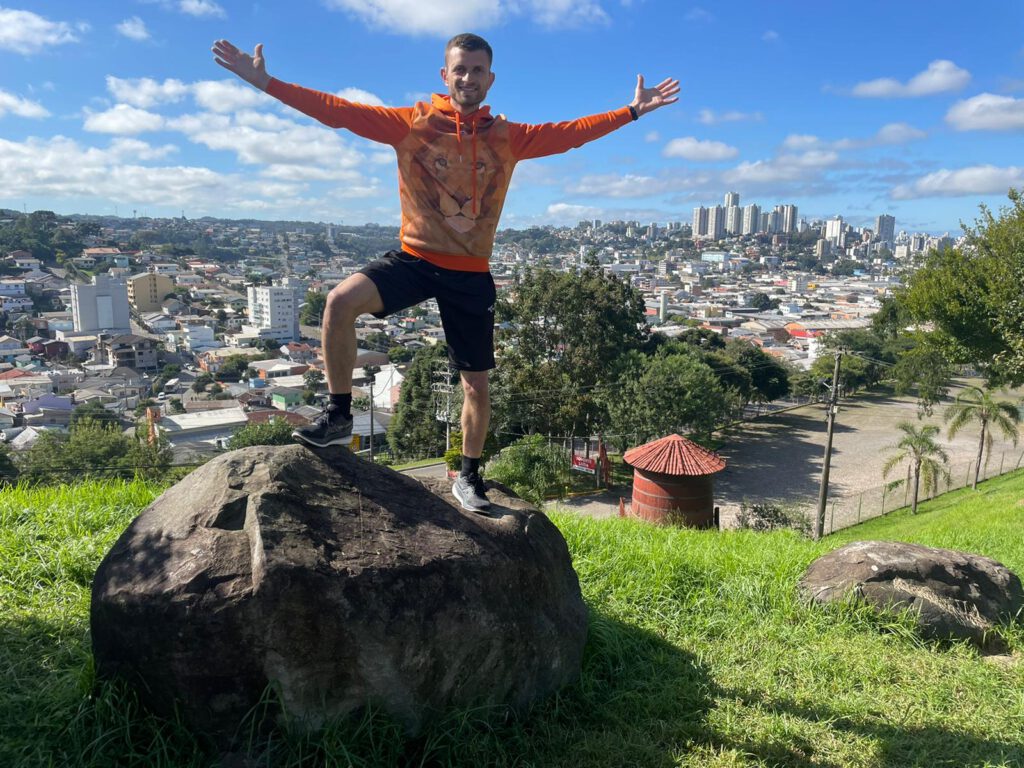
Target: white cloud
{"x":16,"y":105}
{"x":123,"y":119}
{"x":941,"y":76}
{"x":26,"y":32}
{"x":145,"y":92}
{"x":975,"y":180}
{"x":652,"y":136}
{"x":987,"y":112}
{"x":447,"y":17}
{"x":615,"y":185}
{"x":133,"y":28}
{"x":566,"y":13}
{"x":891,"y":133}
{"x":898,"y":133}
{"x":441,"y":17}
{"x":228,"y":95}
{"x":361,"y":96}
{"x":799,"y":167}
{"x":59,"y":168}
{"x":698,"y":14}
{"x":770,"y":36}
{"x":201,"y":8}
{"x":571,"y":210}
{"x":800,"y":141}
{"x":710,"y":117}
{"x":695,"y":149}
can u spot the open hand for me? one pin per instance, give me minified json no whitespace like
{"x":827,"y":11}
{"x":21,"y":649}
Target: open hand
{"x":252,"y":69}
{"x":648,"y":99}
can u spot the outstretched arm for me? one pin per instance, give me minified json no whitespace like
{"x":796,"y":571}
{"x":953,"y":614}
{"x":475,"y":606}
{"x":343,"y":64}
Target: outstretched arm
{"x":649,"y":99}
{"x":252,"y":69}
{"x":552,"y":138}
{"x":384,"y":124}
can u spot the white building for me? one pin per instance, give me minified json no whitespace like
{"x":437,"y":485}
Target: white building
{"x":273,"y":313}
{"x":751,"y":219}
{"x":101,"y":305}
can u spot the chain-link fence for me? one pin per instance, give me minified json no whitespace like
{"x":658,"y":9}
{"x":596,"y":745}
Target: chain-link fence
{"x":842,"y":511}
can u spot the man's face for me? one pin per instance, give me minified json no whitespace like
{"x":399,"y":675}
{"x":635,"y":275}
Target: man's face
{"x":468,"y":77}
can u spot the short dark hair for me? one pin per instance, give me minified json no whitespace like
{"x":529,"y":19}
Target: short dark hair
{"x":467,"y":41}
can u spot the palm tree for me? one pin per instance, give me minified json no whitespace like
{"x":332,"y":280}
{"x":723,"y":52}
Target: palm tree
{"x":975,"y":404}
{"x":928,"y":459}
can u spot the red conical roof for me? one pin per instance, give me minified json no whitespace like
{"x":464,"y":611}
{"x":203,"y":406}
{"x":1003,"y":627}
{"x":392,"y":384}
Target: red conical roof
{"x":674,"y":455}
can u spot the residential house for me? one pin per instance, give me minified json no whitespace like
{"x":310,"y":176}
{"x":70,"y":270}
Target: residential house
{"x":127,"y":350}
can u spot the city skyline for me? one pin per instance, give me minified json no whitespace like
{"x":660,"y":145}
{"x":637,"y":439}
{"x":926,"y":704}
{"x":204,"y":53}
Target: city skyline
{"x":115,"y":108}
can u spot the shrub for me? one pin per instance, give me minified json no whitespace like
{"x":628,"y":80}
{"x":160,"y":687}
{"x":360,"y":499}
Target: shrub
{"x":532,"y":468}
{"x":772,"y":517}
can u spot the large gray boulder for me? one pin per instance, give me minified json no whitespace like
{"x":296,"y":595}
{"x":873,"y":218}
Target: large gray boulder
{"x":340,"y":584}
{"x":953,"y":595}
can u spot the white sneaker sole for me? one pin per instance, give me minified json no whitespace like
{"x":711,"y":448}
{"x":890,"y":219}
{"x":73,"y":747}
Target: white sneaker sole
{"x":467,"y":507}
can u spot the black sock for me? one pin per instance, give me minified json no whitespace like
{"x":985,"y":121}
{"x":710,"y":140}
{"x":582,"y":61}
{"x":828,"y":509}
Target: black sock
{"x":344,"y":403}
{"x":470,"y":466}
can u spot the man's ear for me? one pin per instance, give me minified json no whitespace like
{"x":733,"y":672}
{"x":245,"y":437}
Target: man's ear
{"x":444,"y":75}
{"x":492,"y":80}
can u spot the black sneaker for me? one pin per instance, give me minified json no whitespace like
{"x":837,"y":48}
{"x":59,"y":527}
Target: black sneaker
{"x":471,"y":493}
{"x":330,"y":428}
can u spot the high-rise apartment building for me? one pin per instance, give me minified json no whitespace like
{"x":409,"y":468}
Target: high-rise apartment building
{"x":885,"y":228}
{"x":700,"y":221}
{"x":101,"y":305}
{"x":751,"y":219}
{"x":733,"y":220}
{"x":146,"y":291}
{"x":273,"y":312}
{"x":787,"y":218}
{"x":731,"y":199}
{"x":716,"y":222}
{"x":834,"y":229}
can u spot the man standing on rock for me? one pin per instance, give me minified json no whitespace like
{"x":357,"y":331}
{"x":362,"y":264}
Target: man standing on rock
{"x":455,"y":162}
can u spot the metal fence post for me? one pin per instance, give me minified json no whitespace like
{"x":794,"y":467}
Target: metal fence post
{"x":1001,"y":460}
{"x":860,"y":503}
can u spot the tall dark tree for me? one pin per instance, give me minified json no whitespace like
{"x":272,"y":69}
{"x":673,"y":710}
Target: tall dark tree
{"x":415,"y":430}
{"x":769,"y":377}
{"x":975,"y":295}
{"x":562,"y":335}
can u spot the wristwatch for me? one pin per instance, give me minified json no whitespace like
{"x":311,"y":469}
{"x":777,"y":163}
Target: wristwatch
{"x":633,"y":112}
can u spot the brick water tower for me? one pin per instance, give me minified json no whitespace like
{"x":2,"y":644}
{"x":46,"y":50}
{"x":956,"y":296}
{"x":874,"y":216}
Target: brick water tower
{"x":673,"y":482}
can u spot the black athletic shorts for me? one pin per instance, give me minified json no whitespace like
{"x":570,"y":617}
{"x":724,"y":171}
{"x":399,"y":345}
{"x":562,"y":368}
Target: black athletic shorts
{"x":466,"y":301}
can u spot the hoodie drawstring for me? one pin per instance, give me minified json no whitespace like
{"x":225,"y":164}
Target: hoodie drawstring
{"x":473,"y":126}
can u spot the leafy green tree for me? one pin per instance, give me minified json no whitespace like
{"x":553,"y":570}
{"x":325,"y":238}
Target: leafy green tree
{"x":203,"y":380}
{"x":925,"y":368}
{"x":975,"y":295}
{"x":8,"y":469}
{"x":978,"y":405}
{"x":400,"y":355}
{"x":927,"y":458}
{"x":672,"y":394}
{"x":532,"y":468}
{"x":562,"y":334}
{"x":313,"y":378}
{"x":274,"y":431}
{"x":313,"y":311}
{"x":415,"y":430}
{"x":92,"y":410}
{"x":763,"y":301}
{"x":769,"y":377}
{"x":91,"y":448}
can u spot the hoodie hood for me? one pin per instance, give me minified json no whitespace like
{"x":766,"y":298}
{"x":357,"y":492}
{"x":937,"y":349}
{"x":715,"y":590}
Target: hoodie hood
{"x":442,"y":102}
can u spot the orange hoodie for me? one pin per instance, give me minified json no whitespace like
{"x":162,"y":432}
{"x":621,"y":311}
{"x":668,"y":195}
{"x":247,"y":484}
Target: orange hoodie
{"x":453,"y":171}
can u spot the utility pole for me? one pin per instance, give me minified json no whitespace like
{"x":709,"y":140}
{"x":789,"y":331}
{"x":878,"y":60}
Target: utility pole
{"x":442,"y":385}
{"x":371,"y":417}
{"x":819,"y":523}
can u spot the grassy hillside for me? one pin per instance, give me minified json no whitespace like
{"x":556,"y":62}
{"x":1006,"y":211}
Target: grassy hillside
{"x":699,"y":655}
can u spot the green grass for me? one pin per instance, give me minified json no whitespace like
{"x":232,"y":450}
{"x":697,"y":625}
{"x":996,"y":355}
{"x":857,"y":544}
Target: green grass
{"x":699,"y":654}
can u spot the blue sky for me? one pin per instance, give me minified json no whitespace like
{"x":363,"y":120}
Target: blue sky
{"x":909,"y":108}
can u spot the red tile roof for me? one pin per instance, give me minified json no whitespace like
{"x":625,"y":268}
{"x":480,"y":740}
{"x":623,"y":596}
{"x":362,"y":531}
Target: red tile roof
{"x":674,"y":455}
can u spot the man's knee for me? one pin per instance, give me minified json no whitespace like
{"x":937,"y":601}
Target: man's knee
{"x":474,"y":385}
{"x":353,"y":297}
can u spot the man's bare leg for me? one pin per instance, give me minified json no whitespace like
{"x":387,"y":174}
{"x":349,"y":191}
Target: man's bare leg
{"x":354,"y":296}
{"x":476,"y":415}
{"x":476,"y":412}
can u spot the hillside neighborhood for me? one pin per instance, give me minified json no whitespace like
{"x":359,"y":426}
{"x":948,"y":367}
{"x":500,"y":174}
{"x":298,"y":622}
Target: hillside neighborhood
{"x":201,"y":340}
